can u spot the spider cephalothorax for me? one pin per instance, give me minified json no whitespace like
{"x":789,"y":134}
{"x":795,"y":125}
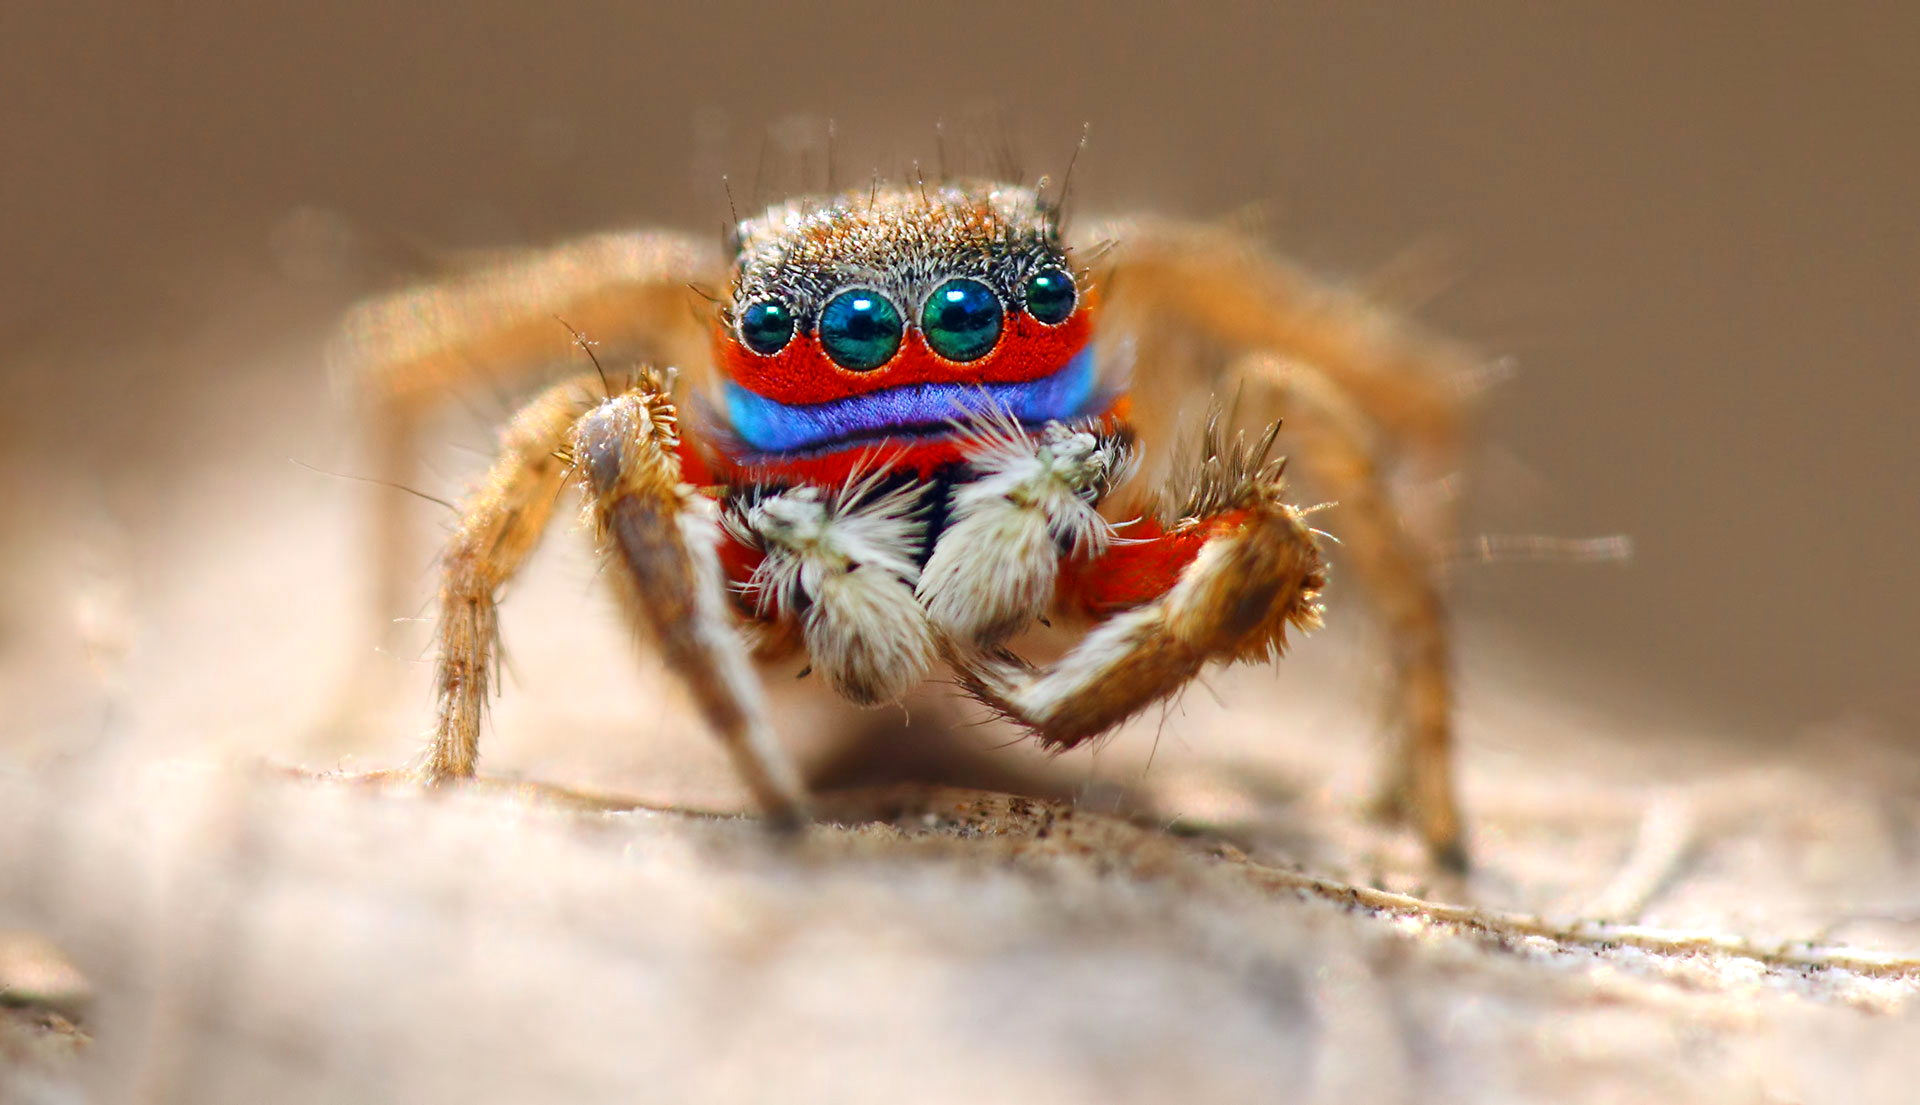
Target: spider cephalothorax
{"x":917,"y":441}
{"x":886,"y":317}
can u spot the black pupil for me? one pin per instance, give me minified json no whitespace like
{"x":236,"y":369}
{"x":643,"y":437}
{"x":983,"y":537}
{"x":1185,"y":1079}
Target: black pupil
{"x":766,"y":327}
{"x":1050,"y":296}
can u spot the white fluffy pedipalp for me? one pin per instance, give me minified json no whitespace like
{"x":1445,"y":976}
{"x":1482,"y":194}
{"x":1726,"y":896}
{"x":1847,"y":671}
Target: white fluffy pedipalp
{"x":994,"y":569}
{"x":843,"y":562}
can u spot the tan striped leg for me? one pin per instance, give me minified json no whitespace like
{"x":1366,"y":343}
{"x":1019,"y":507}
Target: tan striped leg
{"x":659,"y":534}
{"x":500,"y":524}
{"x":496,"y":328}
{"x":1412,"y":383}
{"x":1334,"y":443}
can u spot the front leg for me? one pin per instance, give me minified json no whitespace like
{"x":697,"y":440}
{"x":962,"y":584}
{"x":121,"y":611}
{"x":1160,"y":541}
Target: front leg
{"x":1365,"y":393}
{"x":1226,"y":580}
{"x":662,"y":537}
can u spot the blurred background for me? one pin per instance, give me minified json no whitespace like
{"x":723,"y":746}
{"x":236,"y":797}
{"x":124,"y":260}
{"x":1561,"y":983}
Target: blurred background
{"x":1692,"y":230}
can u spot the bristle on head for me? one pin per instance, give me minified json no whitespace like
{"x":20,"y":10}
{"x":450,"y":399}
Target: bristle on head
{"x":898,"y":238}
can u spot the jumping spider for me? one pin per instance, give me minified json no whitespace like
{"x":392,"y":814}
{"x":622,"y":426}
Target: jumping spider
{"x":919,"y":422}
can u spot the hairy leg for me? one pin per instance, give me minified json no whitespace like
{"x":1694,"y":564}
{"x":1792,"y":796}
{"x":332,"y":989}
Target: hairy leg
{"x":499,"y":525}
{"x":1336,"y":445}
{"x":662,"y":537}
{"x":1361,"y":388}
{"x":1413,"y":383}
{"x":1223,"y":580}
{"x":497,"y":326}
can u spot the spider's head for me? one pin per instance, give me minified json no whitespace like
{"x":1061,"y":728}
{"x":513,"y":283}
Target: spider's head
{"x":890,"y":314}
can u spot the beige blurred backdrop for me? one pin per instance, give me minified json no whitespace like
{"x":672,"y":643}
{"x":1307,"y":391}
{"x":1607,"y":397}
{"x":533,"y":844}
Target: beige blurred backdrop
{"x":1692,"y":228}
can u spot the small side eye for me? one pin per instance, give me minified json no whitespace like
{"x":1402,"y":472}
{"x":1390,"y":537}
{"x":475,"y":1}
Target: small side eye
{"x":961,"y":320}
{"x":1050,"y":296}
{"x":766,"y":327}
{"x":860,"y":329}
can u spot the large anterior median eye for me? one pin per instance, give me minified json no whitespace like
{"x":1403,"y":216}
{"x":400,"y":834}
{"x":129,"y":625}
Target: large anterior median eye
{"x":1050,"y":296}
{"x":860,"y":329}
{"x":766,"y":326}
{"x":962,"y":320}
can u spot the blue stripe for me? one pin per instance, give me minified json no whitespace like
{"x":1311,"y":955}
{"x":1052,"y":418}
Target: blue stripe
{"x":770,"y":426}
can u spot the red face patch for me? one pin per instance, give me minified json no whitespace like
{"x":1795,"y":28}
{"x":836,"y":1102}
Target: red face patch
{"x":803,"y":373}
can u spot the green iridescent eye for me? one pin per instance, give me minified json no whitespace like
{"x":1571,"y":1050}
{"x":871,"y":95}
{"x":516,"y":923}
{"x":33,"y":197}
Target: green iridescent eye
{"x":1050,"y":296}
{"x":766,"y":326}
{"x":860,"y":329}
{"x":962,"y":320}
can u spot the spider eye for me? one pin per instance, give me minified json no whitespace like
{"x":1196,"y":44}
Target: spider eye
{"x":860,"y":329}
{"x":766,"y":326}
{"x":1050,"y":296}
{"x":962,"y":320}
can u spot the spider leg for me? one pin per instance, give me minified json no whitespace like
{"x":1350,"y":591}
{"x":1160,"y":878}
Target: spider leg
{"x":1225,"y":585}
{"x":500,"y":524}
{"x":1411,"y":382}
{"x":1334,"y":443}
{"x":1358,"y":385}
{"x":495,"y":327}
{"x":662,"y":539}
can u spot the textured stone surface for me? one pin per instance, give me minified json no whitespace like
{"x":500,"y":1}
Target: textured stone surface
{"x":258,"y":936}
